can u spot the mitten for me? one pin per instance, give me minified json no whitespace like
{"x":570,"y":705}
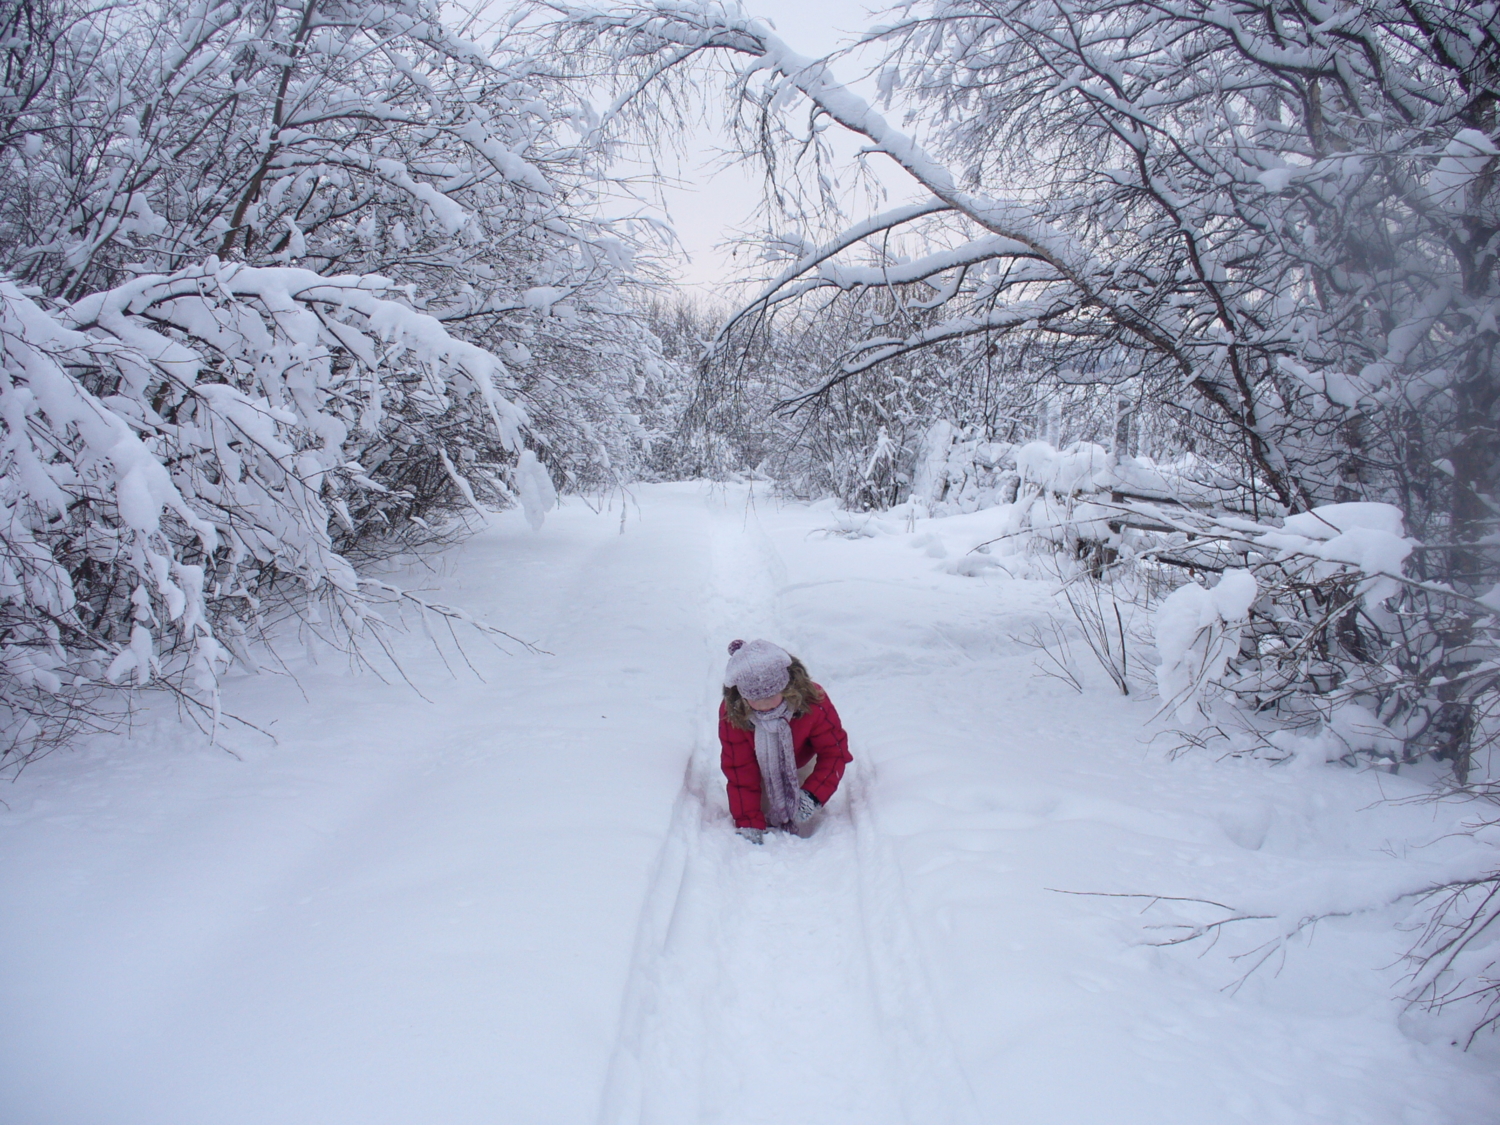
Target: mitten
{"x":807,"y":807}
{"x":754,"y":835}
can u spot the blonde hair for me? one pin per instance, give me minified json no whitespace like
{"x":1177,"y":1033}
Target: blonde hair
{"x":800,"y":694}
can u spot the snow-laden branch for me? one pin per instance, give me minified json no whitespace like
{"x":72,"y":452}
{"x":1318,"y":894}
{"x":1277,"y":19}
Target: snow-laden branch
{"x":873,"y":352}
{"x":290,"y":296}
{"x":672,"y":24}
{"x":853,"y":236}
{"x":921,"y":269}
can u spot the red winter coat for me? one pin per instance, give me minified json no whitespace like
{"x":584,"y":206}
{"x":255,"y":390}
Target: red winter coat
{"x":816,"y":733}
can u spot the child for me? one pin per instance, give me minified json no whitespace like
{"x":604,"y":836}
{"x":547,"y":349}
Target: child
{"x":784,"y":749}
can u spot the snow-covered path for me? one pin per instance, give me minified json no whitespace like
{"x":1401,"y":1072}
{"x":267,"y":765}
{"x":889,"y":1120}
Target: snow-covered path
{"x":776,"y":981}
{"x":405,"y":911}
{"x":521,"y":902}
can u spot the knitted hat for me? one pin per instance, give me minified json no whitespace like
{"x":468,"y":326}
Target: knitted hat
{"x":758,"y":668}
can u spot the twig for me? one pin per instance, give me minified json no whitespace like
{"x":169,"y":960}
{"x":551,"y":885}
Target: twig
{"x":1153,"y":899}
{"x":456,"y":614}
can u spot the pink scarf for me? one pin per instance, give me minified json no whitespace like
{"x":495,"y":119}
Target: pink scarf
{"x":778,"y":763}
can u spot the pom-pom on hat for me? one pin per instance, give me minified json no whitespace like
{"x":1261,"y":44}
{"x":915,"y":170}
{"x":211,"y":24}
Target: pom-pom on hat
{"x":758,"y":669}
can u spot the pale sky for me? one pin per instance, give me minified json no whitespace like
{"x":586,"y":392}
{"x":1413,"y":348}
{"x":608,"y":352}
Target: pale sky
{"x":712,"y":203}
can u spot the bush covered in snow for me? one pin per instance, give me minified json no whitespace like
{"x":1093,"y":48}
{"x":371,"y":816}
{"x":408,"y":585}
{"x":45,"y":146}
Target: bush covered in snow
{"x":181,"y":468}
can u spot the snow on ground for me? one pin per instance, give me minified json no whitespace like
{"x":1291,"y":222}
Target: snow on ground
{"x":522,"y":901}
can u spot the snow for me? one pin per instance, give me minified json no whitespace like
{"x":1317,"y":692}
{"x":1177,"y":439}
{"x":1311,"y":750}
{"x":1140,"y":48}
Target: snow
{"x":1372,"y":551}
{"x":520,"y":899}
{"x":1365,"y":535}
{"x":1275,"y":179}
{"x":534,"y":484}
{"x":1464,"y":160}
{"x":1197,"y":630}
{"x":1063,"y":471}
{"x":1329,"y":520}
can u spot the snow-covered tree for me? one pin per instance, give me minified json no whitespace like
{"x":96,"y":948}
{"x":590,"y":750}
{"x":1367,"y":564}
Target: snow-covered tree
{"x":341,"y":138}
{"x":290,"y":286}
{"x":1279,"y":216}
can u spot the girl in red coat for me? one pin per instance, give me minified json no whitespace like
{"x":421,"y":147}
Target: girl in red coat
{"x":784,"y":749}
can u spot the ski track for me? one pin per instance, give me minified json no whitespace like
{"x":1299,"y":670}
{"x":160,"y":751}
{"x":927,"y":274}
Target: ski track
{"x":782,"y":981}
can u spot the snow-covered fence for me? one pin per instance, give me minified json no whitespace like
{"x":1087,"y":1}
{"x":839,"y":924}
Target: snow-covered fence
{"x":1306,"y":634}
{"x":1289,"y":634}
{"x":1075,"y":499}
{"x":1315,"y":639}
{"x":956,"y":472}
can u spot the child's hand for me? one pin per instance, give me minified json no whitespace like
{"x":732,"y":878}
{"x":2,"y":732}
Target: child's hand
{"x":754,"y":835}
{"x":807,"y":807}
